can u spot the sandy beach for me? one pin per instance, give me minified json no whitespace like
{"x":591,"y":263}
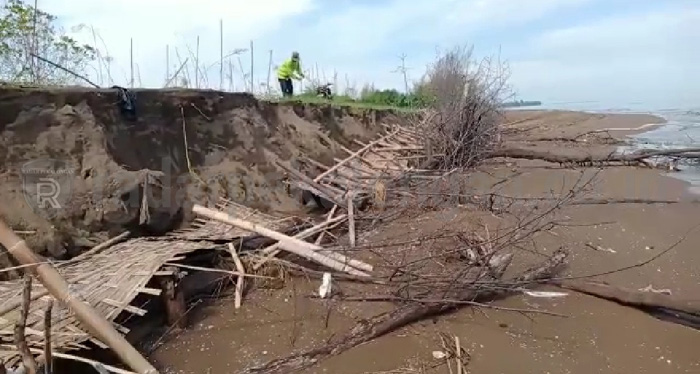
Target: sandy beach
{"x":588,"y":335}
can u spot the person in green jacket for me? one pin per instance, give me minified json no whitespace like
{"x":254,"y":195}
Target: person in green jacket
{"x":290,"y":69}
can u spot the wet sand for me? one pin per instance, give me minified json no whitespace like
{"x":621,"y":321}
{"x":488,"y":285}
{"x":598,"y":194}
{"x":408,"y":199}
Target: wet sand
{"x":596,"y":336}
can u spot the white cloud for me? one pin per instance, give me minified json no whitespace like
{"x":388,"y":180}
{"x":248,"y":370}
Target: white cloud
{"x":650,"y":57}
{"x":153,"y":24}
{"x":647,"y":55}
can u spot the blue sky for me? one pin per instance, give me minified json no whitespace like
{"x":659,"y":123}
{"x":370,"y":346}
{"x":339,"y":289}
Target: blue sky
{"x":612,"y":51}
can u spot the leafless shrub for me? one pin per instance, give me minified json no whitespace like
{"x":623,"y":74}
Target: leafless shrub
{"x":466,"y":98}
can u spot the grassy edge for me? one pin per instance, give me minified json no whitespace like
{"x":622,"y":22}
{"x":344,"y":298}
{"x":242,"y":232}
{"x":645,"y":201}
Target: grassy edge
{"x":339,"y":103}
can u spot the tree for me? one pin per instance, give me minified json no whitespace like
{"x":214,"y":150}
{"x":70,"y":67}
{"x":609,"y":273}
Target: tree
{"x":25,"y":30}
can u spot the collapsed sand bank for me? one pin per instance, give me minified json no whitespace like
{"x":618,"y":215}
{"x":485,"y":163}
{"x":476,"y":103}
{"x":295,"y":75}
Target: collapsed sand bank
{"x":595,"y":336}
{"x":232,"y":140}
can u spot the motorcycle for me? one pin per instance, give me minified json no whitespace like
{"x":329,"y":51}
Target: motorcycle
{"x":324,"y":91}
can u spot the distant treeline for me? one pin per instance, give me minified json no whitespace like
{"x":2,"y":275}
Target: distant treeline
{"x":418,"y":97}
{"x":518,"y":103}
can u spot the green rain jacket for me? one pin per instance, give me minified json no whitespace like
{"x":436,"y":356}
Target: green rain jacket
{"x":289,"y":68}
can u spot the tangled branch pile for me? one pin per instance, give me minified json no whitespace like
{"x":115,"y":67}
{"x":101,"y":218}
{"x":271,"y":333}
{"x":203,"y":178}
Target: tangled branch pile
{"x":463,"y":124}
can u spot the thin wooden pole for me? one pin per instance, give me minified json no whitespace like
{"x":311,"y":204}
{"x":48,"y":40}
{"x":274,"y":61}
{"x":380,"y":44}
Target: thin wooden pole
{"x":167,"y":64}
{"x":221,"y":54}
{"x":96,"y":324}
{"x":269,"y":73}
{"x":310,"y":251}
{"x":352,"y":156}
{"x":131,"y":59}
{"x":48,"y":357}
{"x":252,"y":68}
{"x":196,"y":66}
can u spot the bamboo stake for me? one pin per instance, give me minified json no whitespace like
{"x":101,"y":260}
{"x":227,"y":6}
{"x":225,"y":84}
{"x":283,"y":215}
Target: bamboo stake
{"x":458,"y":355}
{"x":221,"y":54}
{"x":196,"y":65}
{"x":131,"y":61}
{"x":48,"y":357}
{"x":352,"y":156}
{"x":351,"y":220}
{"x":288,"y":243}
{"x":96,"y":324}
{"x":30,"y":365}
{"x":241,"y":269}
{"x":252,"y":69}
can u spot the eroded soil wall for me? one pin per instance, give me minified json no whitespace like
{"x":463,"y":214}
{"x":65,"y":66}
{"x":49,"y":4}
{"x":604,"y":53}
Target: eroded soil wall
{"x":105,"y":161}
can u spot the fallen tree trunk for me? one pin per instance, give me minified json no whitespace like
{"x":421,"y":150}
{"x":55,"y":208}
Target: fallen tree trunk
{"x":686,"y":312}
{"x":636,"y":157}
{"x":403,"y":315}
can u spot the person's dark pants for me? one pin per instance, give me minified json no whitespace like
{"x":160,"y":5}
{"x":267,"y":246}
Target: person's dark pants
{"x":287,"y":87}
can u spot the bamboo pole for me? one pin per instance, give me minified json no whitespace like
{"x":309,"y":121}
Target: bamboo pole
{"x":196,"y":66}
{"x":274,"y":250}
{"x":48,"y":357}
{"x":269,"y":73}
{"x":288,"y":243}
{"x":351,"y":221}
{"x":239,"y":281}
{"x":352,"y":156}
{"x":221,"y":54}
{"x":131,"y":60}
{"x":252,"y":69}
{"x":96,"y":324}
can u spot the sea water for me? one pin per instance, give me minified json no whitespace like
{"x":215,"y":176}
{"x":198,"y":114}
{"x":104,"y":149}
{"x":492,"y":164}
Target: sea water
{"x":681,"y":130}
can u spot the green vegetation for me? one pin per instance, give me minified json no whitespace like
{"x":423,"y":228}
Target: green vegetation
{"x":25,"y":31}
{"x":373,"y":98}
{"x":519,"y":103}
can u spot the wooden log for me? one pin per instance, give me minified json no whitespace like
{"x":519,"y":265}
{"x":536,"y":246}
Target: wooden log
{"x":96,"y":324}
{"x":632,"y":297}
{"x":638,"y":157}
{"x":173,"y":300}
{"x":296,"y":246}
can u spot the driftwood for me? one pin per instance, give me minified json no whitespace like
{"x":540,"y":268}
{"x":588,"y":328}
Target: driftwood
{"x":632,"y":158}
{"x":57,"y":286}
{"x":401,"y":316}
{"x":686,"y":312}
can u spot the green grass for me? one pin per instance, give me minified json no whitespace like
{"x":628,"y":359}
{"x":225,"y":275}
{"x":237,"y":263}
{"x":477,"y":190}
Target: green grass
{"x":340,"y":101}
